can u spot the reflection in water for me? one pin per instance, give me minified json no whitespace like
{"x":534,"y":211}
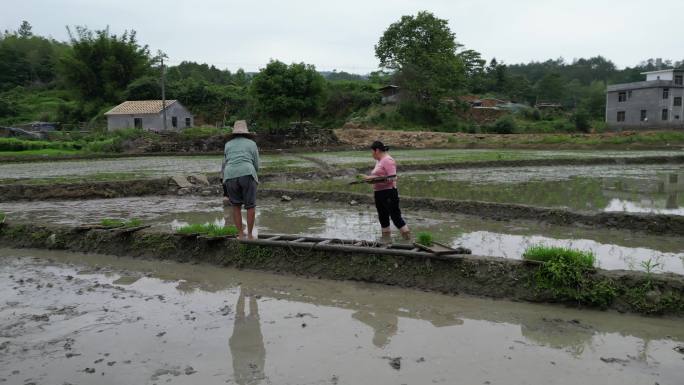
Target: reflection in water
{"x":384,"y":325}
{"x":247,"y":342}
{"x":570,"y":335}
{"x":496,"y":341}
{"x":610,"y":257}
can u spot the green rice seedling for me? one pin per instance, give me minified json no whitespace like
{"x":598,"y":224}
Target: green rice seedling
{"x":425,"y":239}
{"x":542,"y":253}
{"x":2,"y":217}
{"x":111,"y":223}
{"x":134,"y":222}
{"x":194,"y":228}
{"x":210,"y":229}
{"x":221,"y":231}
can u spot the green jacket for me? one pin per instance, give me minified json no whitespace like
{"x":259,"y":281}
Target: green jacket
{"x":240,"y":158}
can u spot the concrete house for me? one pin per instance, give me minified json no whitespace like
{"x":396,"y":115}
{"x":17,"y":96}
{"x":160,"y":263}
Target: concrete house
{"x":147,"y":115}
{"x":654,"y":103}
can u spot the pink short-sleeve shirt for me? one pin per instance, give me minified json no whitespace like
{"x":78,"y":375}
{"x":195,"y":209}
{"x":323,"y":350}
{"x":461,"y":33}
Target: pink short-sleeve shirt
{"x":385,"y":167}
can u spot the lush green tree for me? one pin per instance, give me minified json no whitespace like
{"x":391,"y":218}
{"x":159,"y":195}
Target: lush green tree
{"x":550,"y":88}
{"x":342,"y":75}
{"x":421,"y":50}
{"x":474,"y":66}
{"x":101,"y":65}
{"x":281,"y":91}
{"x":26,"y":59}
{"x":143,"y":88}
{"x":343,"y":98}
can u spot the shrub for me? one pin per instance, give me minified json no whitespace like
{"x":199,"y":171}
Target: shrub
{"x":581,"y":120}
{"x":504,"y":125}
{"x":425,"y":239}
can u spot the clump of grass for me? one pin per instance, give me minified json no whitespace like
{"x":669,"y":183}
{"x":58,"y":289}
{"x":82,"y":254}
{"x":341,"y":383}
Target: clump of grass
{"x":2,"y":217}
{"x":567,"y":274}
{"x":425,"y":239}
{"x":112,"y":223}
{"x":209,"y":229}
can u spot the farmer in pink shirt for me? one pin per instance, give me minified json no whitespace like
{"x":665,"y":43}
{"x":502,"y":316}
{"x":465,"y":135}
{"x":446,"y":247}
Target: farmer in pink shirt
{"x":386,"y":193}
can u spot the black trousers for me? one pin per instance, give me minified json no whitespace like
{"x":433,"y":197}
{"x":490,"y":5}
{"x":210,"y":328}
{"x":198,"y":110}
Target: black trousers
{"x":387,"y":203}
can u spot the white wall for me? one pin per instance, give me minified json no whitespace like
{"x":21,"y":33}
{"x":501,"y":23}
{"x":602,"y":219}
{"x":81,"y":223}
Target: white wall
{"x":660,"y":76}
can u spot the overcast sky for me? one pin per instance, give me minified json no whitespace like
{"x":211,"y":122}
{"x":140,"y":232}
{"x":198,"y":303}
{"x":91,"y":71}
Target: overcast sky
{"x":341,"y":34}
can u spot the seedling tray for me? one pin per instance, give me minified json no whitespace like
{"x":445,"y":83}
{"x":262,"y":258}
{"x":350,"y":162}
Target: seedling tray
{"x":217,"y":238}
{"x":436,"y":248}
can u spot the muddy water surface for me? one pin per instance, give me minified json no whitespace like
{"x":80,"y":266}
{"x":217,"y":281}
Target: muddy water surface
{"x":614,"y":249}
{"x":85,"y":319}
{"x":136,"y":167}
{"x":624,"y":188}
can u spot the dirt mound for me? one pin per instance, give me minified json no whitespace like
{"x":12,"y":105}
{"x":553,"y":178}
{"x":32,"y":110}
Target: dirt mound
{"x":361,"y":136}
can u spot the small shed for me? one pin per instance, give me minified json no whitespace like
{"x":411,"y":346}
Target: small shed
{"x":148,"y":115}
{"x":390,"y":94}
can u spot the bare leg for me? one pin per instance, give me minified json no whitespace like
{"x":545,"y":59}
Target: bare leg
{"x":405,"y":232}
{"x":251,"y":214}
{"x":237,"y":220}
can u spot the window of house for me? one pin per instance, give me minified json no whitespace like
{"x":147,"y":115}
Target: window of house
{"x":678,"y":101}
{"x":174,"y":121}
{"x":622,"y":96}
{"x":137,"y":123}
{"x":621,"y":116}
{"x":666,"y":93}
{"x":644,"y":115}
{"x":678,"y":80}
{"x":629,"y":94}
{"x":188,"y":122}
{"x":666,"y":114}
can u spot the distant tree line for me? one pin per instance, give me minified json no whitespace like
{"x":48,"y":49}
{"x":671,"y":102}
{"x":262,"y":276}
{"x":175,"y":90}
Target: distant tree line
{"x":78,"y":80}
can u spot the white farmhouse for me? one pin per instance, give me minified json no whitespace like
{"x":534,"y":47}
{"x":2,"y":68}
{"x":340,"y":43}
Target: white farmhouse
{"x":148,"y":115}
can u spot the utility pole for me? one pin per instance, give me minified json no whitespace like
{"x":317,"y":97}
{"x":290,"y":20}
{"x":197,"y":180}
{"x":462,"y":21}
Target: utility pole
{"x":163,"y":87}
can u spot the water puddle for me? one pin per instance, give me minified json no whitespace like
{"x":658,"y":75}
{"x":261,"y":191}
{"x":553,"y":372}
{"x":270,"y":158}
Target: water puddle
{"x":67,"y":318}
{"x":614,"y":249}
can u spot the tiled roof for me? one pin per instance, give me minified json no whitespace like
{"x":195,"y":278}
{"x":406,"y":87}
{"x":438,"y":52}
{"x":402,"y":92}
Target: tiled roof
{"x":132,"y":107}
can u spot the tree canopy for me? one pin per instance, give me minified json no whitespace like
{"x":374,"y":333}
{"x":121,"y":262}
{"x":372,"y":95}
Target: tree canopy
{"x":101,"y":65}
{"x":281,"y":91}
{"x":421,"y":50}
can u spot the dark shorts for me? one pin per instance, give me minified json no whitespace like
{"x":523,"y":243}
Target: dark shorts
{"x":241,"y":191}
{"x":387,"y":204}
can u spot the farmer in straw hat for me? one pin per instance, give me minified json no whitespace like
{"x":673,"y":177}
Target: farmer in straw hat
{"x":239,"y":172}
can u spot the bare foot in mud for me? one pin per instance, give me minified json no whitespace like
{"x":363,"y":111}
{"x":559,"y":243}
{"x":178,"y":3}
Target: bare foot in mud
{"x":250,"y":237}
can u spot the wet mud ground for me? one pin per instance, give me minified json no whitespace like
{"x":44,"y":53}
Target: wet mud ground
{"x":615,"y":249}
{"x":614,"y":188}
{"x":86,"y":319}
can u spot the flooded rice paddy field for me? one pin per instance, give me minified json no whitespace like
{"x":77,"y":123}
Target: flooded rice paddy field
{"x":85,"y":319}
{"x":138,"y":167}
{"x":625,"y":188}
{"x":615,"y":249}
{"x":480,"y":155}
{"x":150,"y":167}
